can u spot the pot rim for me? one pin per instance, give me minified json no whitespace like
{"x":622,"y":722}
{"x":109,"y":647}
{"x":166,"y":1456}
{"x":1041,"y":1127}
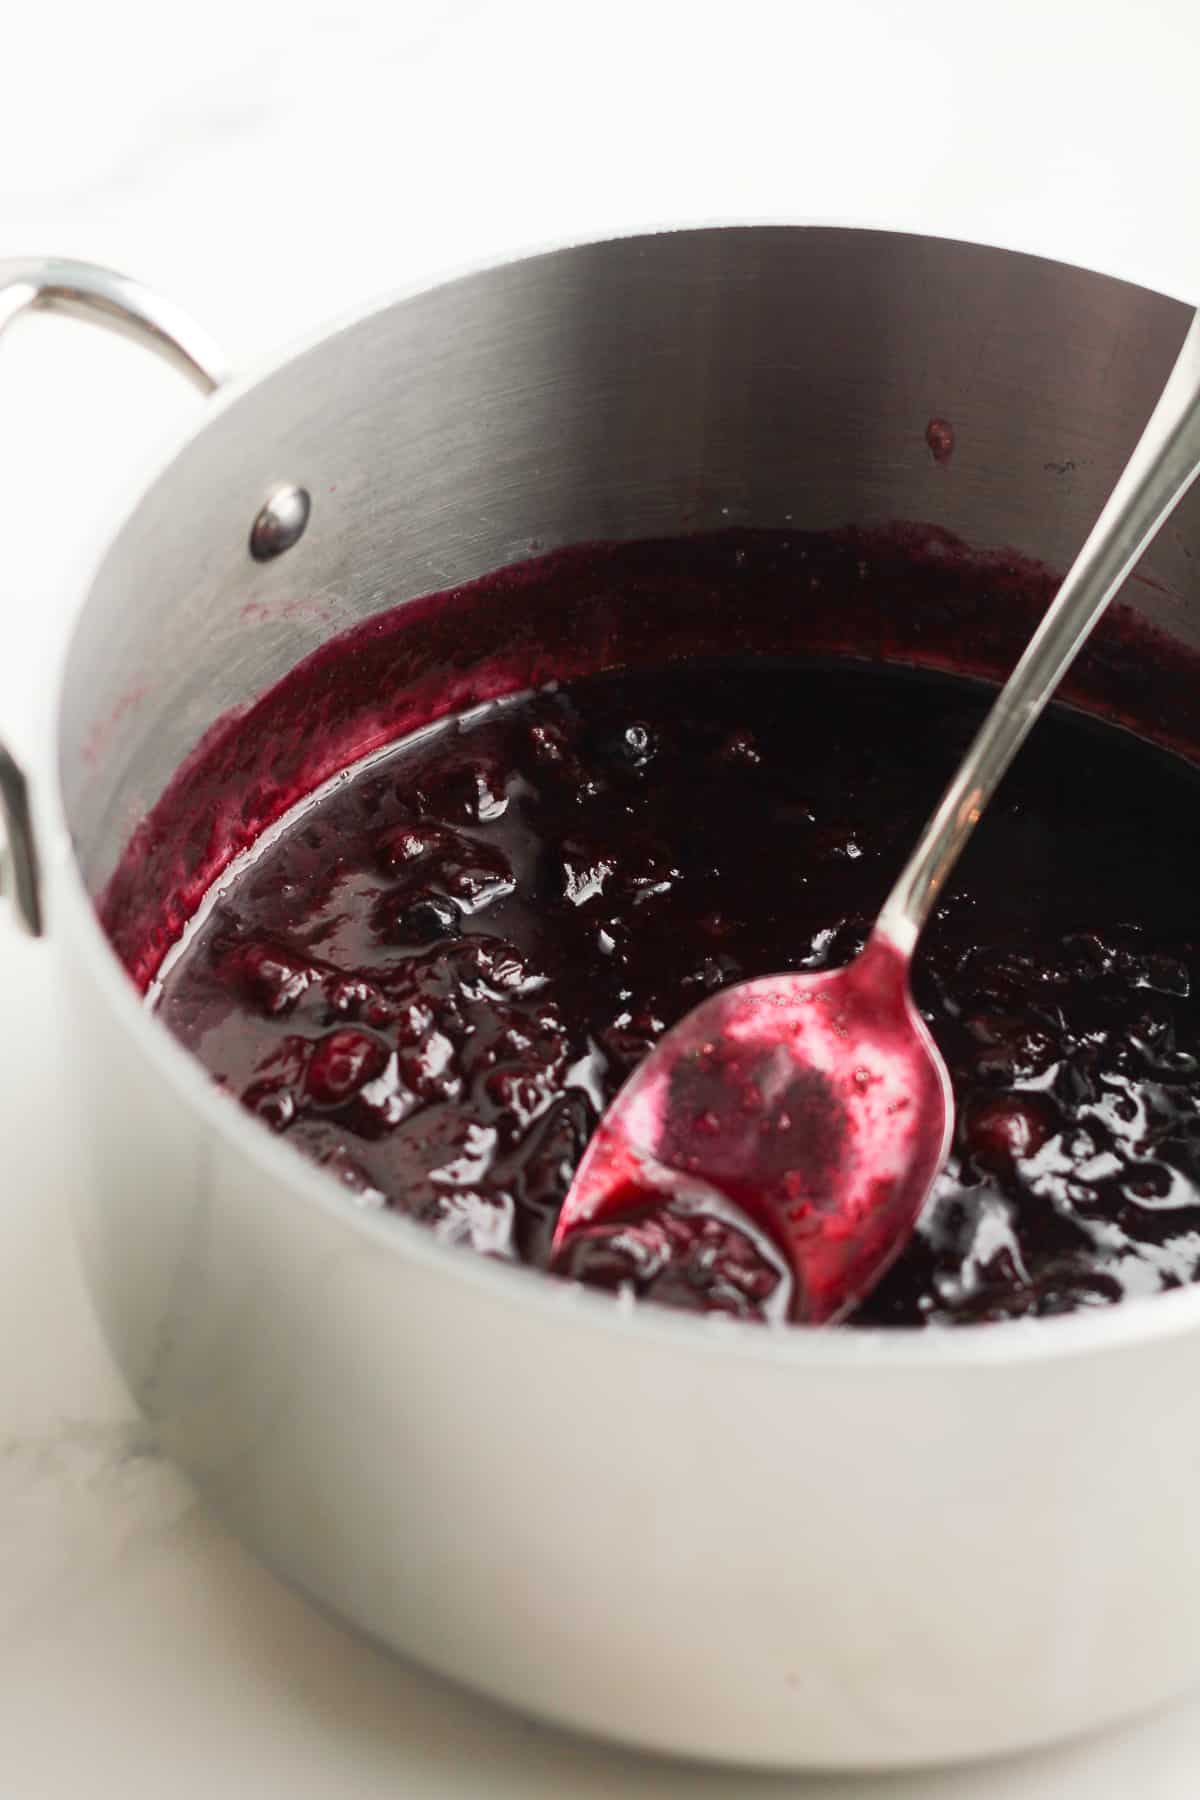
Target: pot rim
{"x":1135,"y":1321}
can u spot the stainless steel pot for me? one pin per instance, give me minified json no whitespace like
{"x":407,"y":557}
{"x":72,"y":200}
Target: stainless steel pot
{"x":851,"y":1548}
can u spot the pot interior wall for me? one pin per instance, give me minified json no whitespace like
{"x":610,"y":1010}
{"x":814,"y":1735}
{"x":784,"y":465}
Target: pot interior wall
{"x":687,"y":381}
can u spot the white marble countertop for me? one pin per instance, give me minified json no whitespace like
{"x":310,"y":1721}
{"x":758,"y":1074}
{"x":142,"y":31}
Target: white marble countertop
{"x":266,"y":165}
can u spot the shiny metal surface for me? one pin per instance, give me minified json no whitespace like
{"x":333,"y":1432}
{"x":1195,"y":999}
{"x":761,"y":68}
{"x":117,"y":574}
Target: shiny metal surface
{"x":280,"y":523}
{"x":103,"y":296}
{"x":126,"y":306}
{"x":680,"y":382}
{"x":515,"y":1481}
{"x":18,"y":848}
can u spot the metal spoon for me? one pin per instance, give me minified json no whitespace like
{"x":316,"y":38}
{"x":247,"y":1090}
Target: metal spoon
{"x":819,"y":1104}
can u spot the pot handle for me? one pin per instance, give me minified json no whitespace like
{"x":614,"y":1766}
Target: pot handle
{"x":87,"y":292}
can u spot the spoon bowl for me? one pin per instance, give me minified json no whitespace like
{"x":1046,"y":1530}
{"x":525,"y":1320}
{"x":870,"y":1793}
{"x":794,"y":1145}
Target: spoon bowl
{"x":816,"y":1105}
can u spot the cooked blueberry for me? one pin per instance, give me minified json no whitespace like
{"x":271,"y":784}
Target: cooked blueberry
{"x":424,"y":921}
{"x":341,"y":1063}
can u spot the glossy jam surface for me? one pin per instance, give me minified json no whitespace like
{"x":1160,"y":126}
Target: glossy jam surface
{"x":434,"y":978}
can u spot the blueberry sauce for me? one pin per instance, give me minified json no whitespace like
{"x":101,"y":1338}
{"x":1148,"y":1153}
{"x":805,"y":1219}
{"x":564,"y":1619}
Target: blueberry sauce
{"x":434,"y":978}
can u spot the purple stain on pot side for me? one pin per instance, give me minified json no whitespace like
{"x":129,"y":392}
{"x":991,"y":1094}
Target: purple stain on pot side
{"x":939,"y":435}
{"x":907,"y":594}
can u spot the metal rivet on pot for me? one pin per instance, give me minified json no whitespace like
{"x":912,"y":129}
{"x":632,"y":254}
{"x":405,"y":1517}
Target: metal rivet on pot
{"x":280,"y":523}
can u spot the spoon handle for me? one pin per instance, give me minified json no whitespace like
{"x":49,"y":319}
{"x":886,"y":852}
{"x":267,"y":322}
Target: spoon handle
{"x":1159,"y":473}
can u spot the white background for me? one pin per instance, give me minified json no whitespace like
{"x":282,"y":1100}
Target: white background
{"x":266,"y":165}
